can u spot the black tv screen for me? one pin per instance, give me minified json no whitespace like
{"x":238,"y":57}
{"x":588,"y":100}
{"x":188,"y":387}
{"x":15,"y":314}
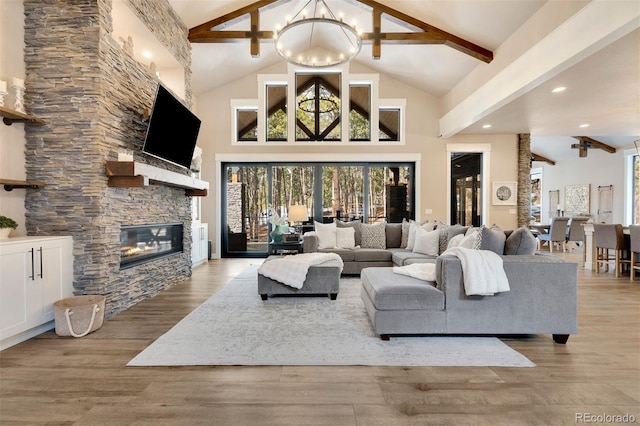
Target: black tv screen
{"x":173,"y":130}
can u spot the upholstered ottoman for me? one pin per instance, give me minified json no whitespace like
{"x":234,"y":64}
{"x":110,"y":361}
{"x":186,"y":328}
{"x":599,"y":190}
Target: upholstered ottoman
{"x":323,"y":279}
{"x":398,"y":304}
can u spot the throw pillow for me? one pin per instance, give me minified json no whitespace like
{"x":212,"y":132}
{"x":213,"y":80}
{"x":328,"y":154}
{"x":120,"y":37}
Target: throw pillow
{"x":491,"y":239}
{"x":405,"y":233}
{"x":455,"y":241}
{"x":355,"y":224}
{"x":327,"y":237}
{"x":469,"y":241}
{"x":393,"y":233}
{"x":413,"y":227}
{"x":345,"y":238}
{"x":374,"y":236}
{"x":427,"y":242}
{"x":521,"y":241}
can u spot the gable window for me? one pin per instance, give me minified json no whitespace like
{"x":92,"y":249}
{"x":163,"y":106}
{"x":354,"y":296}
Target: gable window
{"x":389,"y":124}
{"x":318,"y":107}
{"x":247,"y":124}
{"x":360,"y":112}
{"x":276,"y":97}
{"x":329,"y":106}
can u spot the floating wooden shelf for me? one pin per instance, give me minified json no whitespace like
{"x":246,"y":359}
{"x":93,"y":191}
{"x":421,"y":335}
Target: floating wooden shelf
{"x":10,"y":116}
{"x":9,"y":184}
{"x":126,"y":174}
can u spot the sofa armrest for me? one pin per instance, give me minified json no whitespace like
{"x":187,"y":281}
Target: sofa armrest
{"x":542,"y":297}
{"x":310,"y":242}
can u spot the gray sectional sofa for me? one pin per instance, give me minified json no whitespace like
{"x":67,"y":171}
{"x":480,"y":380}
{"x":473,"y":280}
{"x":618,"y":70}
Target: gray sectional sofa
{"x":542,"y":299}
{"x":542,"y":296}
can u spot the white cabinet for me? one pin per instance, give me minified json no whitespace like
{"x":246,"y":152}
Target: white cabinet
{"x":200,"y":243}
{"x":34,"y":273}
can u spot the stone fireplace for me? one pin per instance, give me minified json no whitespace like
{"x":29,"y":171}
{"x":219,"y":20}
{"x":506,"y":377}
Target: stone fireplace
{"x":92,"y":94}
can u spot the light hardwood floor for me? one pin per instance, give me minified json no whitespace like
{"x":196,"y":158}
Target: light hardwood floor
{"x":51,"y":380}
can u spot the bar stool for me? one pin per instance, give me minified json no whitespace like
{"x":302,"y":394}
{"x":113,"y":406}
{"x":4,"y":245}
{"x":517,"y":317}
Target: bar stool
{"x":634,"y":248}
{"x":609,"y":237}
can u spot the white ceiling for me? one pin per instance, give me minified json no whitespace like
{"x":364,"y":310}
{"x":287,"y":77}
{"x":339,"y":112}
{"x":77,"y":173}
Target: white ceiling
{"x":602,"y":90}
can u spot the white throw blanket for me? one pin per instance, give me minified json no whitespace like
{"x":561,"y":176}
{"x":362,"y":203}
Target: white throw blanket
{"x":482,"y":271}
{"x":421,"y":271}
{"x":292,"y":270}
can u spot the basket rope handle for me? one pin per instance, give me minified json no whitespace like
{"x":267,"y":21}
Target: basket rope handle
{"x":68,"y":312}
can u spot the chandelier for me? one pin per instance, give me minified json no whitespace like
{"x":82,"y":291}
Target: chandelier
{"x":320,"y":40}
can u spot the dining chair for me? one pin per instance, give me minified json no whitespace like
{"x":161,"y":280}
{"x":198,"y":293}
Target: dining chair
{"x":557,"y":233}
{"x":575,"y":233}
{"x":609,"y":237}
{"x":634,"y":248}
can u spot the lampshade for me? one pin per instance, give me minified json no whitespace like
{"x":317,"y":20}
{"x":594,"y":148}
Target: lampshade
{"x":298,"y":213}
{"x":320,"y":40}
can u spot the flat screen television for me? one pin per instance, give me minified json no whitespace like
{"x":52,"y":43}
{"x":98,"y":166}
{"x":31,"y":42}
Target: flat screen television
{"x":172,"y":131}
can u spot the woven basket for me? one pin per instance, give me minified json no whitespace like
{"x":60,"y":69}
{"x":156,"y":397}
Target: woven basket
{"x":79,"y":315}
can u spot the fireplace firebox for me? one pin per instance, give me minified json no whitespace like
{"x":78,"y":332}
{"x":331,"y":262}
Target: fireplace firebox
{"x":144,"y":243}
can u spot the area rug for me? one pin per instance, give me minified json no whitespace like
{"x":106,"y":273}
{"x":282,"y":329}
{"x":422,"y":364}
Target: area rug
{"x":236,"y":327}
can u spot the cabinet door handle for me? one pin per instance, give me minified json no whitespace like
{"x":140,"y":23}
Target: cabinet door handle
{"x":33,"y":265}
{"x":40,"y":250}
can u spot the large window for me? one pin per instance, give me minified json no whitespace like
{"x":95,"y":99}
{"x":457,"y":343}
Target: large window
{"x":371,"y":192}
{"x":320,"y":107}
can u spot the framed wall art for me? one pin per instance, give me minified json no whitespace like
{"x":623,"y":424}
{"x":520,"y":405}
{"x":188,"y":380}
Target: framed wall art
{"x":576,"y":199}
{"x":505,"y":193}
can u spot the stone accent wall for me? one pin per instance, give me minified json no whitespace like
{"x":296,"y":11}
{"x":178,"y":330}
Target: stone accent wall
{"x":92,"y":95}
{"x":524,"y":179}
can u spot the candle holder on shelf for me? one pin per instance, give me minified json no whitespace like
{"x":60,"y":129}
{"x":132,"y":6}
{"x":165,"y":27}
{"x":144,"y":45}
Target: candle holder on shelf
{"x":18,"y":86}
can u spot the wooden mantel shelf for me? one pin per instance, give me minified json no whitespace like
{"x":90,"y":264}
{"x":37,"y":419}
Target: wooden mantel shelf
{"x":10,"y":116}
{"x":10,"y":185}
{"x":127,"y":174}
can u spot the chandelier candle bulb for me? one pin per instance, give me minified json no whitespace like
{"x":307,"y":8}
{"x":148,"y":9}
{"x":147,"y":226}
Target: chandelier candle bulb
{"x":3,"y":86}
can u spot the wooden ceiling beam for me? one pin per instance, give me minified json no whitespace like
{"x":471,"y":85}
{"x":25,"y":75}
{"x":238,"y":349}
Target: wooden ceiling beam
{"x":592,"y":143}
{"x":450,"y":40}
{"x":211,"y":31}
{"x":537,"y":157}
{"x":227,"y":19}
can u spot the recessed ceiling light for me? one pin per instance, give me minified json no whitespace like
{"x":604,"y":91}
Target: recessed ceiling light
{"x":559,"y":89}
{"x":146,"y":54}
{"x":583,"y":125}
{"x":486,"y":126}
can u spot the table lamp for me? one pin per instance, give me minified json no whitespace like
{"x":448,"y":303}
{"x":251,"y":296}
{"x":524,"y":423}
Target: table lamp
{"x":297,"y":214}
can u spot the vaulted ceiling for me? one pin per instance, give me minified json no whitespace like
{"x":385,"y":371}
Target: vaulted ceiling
{"x":603,"y":89}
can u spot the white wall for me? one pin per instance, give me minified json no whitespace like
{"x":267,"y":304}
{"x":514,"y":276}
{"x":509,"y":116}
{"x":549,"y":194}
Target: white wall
{"x":12,"y":139}
{"x":599,"y":168}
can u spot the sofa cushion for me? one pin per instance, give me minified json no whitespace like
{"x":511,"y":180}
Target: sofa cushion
{"x":326,"y":233}
{"x":400,"y":257}
{"x":520,"y":241}
{"x":371,"y":255}
{"x":374,"y":236}
{"x":491,"y":239}
{"x":346,"y":255}
{"x":427,"y":242}
{"x":393,"y":234}
{"x":389,"y":291}
{"x":357,"y":227}
{"x":345,"y":238}
{"x":448,"y":232}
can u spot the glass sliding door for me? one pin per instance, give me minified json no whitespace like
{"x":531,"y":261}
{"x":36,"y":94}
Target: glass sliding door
{"x":328,"y":191}
{"x":292,"y":185}
{"x":342,"y":192}
{"x":245,"y":219}
{"x":390,"y":193}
